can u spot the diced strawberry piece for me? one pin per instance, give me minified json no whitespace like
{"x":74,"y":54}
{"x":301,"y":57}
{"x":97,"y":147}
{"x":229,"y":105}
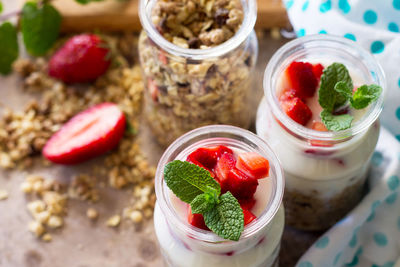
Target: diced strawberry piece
{"x":247,"y":203}
{"x":302,"y":79}
{"x":253,"y":164}
{"x":196,"y":220}
{"x":248,"y":216}
{"x":318,"y":69}
{"x":319,"y":126}
{"x":88,"y":134}
{"x":297,"y":110}
{"x":153,"y":89}
{"x":81,"y":59}
{"x":240,"y":185}
{"x":223,"y":167}
{"x":288,"y":94}
{"x":208,"y":156}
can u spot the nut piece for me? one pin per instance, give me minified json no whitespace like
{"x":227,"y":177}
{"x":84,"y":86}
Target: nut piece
{"x":47,"y":237}
{"x":55,"y":221}
{"x":36,"y":228}
{"x":136,"y":216}
{"x":92,"y":214}
{"x":113,"y":221}
{"x":3,"y":194}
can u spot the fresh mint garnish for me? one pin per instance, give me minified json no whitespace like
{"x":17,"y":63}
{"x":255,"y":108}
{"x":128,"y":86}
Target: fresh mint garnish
{"x":194,"y":185}
{"x":204,"y":202}
{"x":187,"y":180}
{"x":1,"y":7}
{"x":226,"y":219}
{"x":40,"y":27}
{"x":336,"y":90}
{"x":336,"y":122}
{"x":329,"y":98}
{"x":365,"y":95}
{"x":8,"y":46}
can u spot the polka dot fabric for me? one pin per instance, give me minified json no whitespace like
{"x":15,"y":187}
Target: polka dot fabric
{"x":370,"y":235}
{"x":375,"y":26}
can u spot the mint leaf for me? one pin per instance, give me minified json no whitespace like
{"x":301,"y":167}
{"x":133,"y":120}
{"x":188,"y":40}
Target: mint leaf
{"x":187,"y":180}
{"x":40,"y":27}
{"x":204,"y":202}
{"x":336,"y":122}
{"x":364,"y":95}
{"x":1,"y":7}
{"x":8,"y":47}
{"x":329,"y":98}
{"x":343,"y":89}
{"x":84,"y":2}
{"x":226,"y":219}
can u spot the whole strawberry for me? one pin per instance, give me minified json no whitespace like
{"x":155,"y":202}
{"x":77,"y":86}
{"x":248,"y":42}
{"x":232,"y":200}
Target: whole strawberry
{"x":83,"y":58}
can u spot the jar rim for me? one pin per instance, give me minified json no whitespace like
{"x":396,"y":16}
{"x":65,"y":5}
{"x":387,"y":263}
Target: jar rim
{"x":208,"y":132}
{"x":320,"y":41}
{"x":250,"y":16}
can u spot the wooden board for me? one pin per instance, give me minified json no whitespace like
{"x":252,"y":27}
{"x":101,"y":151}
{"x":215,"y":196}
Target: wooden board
{"x":112,"y":15}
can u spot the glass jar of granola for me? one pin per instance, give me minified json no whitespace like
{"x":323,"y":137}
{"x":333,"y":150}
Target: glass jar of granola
{"x":197,"y":58}
{"x":183,"y":244}
{"x":325,"y":170}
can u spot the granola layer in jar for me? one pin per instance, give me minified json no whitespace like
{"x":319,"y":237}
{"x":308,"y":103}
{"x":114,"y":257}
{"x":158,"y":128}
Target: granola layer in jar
{"x":197,"y":59}
{"x":325,"y":171}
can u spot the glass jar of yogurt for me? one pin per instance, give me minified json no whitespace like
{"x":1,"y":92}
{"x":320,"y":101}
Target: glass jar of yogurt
{"x":197,"y":59}
{"x":185,"y":245}
{"x":325,"y":170}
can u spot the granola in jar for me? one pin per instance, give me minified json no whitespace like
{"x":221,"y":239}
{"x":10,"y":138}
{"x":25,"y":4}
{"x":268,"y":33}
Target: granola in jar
{"x":197,"y":57}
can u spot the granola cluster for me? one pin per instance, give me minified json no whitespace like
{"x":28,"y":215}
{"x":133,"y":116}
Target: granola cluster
{"x":24,"y":133}
{"x":197,"y":24}
{"x":182,"y":93}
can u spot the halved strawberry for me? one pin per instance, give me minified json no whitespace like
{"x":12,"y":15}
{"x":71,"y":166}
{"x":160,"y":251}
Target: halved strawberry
{"x":196,"y":220}
{"x":248,"y":216}
{"x":207,"y":157}
{"x":240,"y":185}
{"x":318,"y":69}
{"x":302,"y":79}
{"x":297,"y":110}
{"x":88,"y":134}
{"x":253,"y":164}
{"x":223,"y":167}
{"x":247,"y":203}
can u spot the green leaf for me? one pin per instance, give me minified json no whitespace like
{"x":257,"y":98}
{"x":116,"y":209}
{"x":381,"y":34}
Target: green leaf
{"x":329,"y":98}
{"x":1,"y":7}
{"x":84,"y":2}
{"x":226,"y":219}
{"x":187,"y":180}
{"x":365,"y":95}
{"x":129,"y":129}
{"x":343,"y":89}
{"x":8,"y":47}
{"x":336,"y":122}
{"x":40,"y":27}
{"x":204,"y":202}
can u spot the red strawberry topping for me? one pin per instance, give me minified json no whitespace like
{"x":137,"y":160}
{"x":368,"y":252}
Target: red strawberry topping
{"x":239,"y":184}
{"x":88,"y":134}
{"x":196,"y":220}
{"x":288,"y":94}
{"x":248,"y":216}
{"x":297,"y":110}
{"x":253,"y":165}
{"x":319,"y":126}
{"x":83,"y":58}
{"x":224,"y":166}
{"x":247,"y":203}
{"x":318,"y":70}
{"x":207,"y":157}
{"x":302,"y":79}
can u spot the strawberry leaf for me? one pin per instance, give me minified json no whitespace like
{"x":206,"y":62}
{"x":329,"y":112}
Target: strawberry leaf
{"x":8,"y":47}
{"x":40,"y":27}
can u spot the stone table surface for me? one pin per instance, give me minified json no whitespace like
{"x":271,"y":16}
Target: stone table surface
{"x":82,"y":243}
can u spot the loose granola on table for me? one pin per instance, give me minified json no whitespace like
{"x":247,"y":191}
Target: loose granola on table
{"x":183,"y":93}
{"x":24,"y":133}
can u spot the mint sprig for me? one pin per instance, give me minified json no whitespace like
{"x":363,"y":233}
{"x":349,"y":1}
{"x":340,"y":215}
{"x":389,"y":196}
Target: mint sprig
{"x":194,"y":185}
{"x":336,"y":90}
{"x":8,"y":46}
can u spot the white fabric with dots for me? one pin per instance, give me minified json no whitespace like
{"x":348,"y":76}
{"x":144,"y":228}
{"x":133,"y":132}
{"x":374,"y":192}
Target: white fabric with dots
{"x":370,"y":235}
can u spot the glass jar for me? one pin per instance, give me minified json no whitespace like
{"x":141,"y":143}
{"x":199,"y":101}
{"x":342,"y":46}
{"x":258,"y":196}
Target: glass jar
{"x":188,"y":88}
{"x":184,"y":245}
{"x":325,"y":171}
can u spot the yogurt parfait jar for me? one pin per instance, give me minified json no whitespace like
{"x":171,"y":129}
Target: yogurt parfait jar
{"x":183,"y":245}
{"x":197,"y":59}
{"x":325,"y":171}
